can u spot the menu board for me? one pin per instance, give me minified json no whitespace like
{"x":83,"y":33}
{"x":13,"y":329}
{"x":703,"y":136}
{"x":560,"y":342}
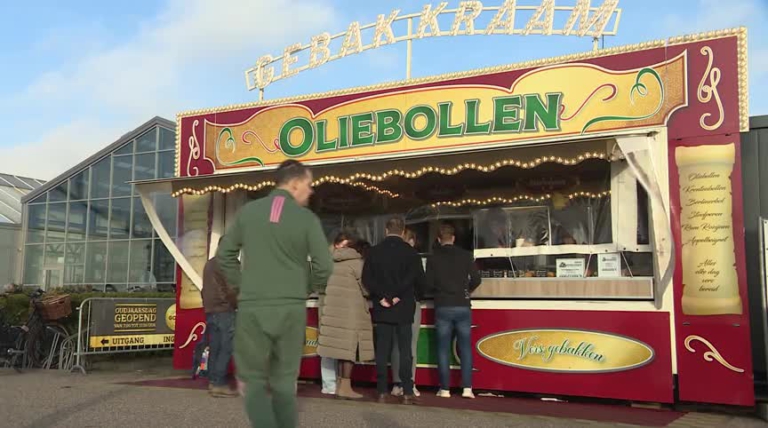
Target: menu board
{"x":609,"y":265}
{"x":710,"y":282}
{"x":570,"y":268}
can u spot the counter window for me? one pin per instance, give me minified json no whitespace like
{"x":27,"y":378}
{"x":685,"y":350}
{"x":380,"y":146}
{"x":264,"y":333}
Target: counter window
{"x":570,"y":226}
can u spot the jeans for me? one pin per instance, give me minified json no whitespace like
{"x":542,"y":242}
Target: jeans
{"x":221,"y":330}
{"x":385,"y":335}
{"x":448,"y":320}
{"x":328,"y":374}
{"x":414,"y":346}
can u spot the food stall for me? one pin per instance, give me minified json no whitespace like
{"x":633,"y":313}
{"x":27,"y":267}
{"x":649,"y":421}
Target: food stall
{"x":600,"y":194}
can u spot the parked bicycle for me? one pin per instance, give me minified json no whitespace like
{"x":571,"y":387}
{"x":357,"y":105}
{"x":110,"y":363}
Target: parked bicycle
{"x":39,"y":342}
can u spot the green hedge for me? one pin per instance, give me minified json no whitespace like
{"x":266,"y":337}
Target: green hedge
{"x":16,"y":306}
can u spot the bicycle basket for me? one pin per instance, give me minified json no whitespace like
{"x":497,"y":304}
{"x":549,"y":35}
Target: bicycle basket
{"x":55,"y":307}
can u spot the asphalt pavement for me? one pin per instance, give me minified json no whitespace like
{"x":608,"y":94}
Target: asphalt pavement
{"x":39,"y":399}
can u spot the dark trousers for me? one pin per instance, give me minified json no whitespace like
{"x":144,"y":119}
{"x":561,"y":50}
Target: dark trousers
{"x":221,"y":331}
{"x":450,"y":320}
{"x":386,"y":334}
{"x":269,"y":343}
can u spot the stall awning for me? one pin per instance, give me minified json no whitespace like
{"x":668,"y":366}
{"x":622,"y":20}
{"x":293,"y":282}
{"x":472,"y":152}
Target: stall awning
{"x":372,"y":172}
{"x":637,"y":150}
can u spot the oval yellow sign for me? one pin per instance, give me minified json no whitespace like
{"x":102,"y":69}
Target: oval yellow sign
{"x":569,"y":351}
{"x":310,"y":342}
{"x":170,"y":317}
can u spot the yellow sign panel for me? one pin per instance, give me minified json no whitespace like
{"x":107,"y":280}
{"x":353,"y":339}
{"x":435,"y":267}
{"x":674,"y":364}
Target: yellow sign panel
{"x":135,"y":317}
{"x":710,"y":278}
{"x":132,"y":340}
{"x":170,"y":317}
{"x":574,"y":351}
{"x":560,"y":100}
{"x":310,"y":342}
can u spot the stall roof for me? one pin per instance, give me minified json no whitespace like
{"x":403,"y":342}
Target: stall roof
{"x":12,"y":189}
{"x":758,"y":122}
{"x":155,"y":121}
{"x":373,"y":171}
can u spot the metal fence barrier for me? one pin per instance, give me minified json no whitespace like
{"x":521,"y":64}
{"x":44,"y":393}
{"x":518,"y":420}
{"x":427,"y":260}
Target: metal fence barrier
{"x":121,"y":325}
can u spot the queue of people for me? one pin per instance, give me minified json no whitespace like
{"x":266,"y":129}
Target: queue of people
{"x":276,"y":236}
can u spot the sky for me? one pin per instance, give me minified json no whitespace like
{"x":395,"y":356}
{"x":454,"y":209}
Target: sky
{"x":77,"y":75}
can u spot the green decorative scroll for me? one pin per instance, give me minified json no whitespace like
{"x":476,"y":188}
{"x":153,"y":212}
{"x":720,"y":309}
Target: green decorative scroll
{"x":231,"y":144}
{"x":642,"y":90}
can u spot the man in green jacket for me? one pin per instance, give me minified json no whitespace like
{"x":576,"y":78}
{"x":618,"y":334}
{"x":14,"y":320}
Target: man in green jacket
{"x":277,"y":234}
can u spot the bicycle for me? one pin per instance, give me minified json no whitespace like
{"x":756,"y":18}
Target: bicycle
{"x":38,"y":343}
{"x":12,"y":346}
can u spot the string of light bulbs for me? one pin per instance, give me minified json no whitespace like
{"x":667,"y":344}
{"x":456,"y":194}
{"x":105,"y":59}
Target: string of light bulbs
{"x":486,"y":168}
{"x":590,"y":195}
{"x":496,"y":200}
{"x":374,"y":189}
{"x":469,"y":166}
{"x":265,"y":184}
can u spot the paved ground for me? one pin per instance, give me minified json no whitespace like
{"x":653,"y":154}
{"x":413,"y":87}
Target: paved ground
{"x":52,"y":399}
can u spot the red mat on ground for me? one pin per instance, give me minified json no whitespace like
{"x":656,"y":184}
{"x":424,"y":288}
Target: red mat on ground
{"x":521,"y":406}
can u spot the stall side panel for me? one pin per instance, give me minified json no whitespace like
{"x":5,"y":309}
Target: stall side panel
{"x":194,"y":218}
{"x":710,"y":285}
{"x":711,"y":298}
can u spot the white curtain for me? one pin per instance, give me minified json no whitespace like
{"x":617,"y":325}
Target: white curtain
{"x":147,"y":192}
{"x":638,"y":151}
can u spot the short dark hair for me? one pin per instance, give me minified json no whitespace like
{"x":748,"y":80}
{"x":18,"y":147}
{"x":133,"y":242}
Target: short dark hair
{"x":395,"y":225}
{"x":344,"y":236}
{"x":362,"y":247}
{"x":447,"y":231}
{"x":290,"y":170}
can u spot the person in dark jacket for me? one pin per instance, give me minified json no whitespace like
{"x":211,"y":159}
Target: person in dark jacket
{"x":277,"y":235}
{"x":452,"y":277}
{"x":220,"y":303}
{"x":393,"y":274}
{"x":397,"y":390}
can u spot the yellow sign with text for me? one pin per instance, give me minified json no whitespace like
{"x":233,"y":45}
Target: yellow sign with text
{"x":133,"y":340}
{"x":574,"y":351}
{"x":170,"y":317}
{"x":310,"y":342}
{"x":561,"y":100}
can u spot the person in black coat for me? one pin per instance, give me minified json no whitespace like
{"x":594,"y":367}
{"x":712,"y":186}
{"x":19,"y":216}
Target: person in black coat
{"x":394,"y":275}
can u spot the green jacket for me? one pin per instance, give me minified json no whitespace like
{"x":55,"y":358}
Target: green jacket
{"x":276,"y":236}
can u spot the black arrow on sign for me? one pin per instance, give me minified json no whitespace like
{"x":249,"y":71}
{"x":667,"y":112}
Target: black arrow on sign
{"x":104,"y":341}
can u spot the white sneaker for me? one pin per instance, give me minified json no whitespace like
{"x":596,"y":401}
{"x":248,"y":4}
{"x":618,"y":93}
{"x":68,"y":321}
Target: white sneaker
{"x":416,"y":392}
{"x":444,"y":393}
{"x":397,"y":391}
{"x":328,"y":391}
{"x":467,"y":393}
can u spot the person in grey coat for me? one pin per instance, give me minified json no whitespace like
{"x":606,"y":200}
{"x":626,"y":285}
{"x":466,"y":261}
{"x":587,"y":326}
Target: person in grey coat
{"x":346,"y":332}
